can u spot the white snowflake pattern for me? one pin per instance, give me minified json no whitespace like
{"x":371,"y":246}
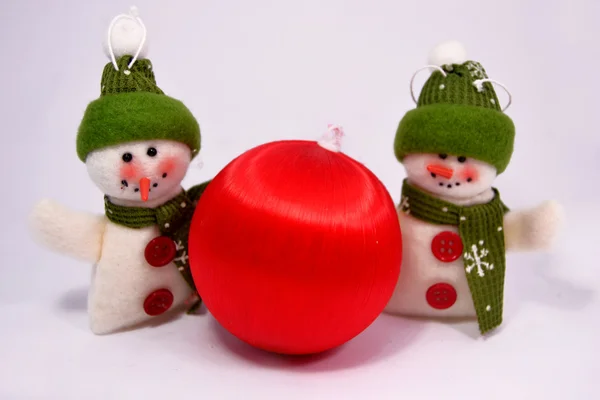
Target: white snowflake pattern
{"x":183,"y":258}
{"x":404,"y":205}
{"x":476,"y":69}
{"x":476,"y":255}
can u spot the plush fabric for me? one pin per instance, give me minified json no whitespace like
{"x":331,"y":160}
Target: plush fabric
{"x":455,"y":115}
{"x":172,"y":219}
{"x":457,"y":87}
{"x":524,"y":230}
{"x":481,"y":230}
{"x":132,"y":108}
{"x":132,"y":117}
{"x":121,"y":277}
{"x":475,"y":132}
{"x":121,"y":180}
{"x":140,"y":77}
{"x":73,"y":233}
{"x":137,"y":144}
{"x":533,"y":229}
{"x":420,"y":270}
{"x":458,"y":187}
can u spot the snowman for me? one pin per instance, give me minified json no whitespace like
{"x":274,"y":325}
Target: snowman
{"x":455,"y":228}
{"x":137,"y":144}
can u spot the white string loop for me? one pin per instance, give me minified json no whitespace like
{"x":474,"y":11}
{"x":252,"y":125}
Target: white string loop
{"x":133,"y":15}
{"x":332,"y":139}
{"x":412,"y":93}
{"x":479,"y":86}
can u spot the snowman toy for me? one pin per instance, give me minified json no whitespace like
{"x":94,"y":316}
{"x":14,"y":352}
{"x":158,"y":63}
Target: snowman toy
{"x":137,"y":144}
{"x":455,"y":228}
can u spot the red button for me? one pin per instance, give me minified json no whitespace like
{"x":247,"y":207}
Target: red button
{"x":441,"y":296}
{"x":447,"y":246}
{"x":158,"y":302}
{"x":160,"y":251}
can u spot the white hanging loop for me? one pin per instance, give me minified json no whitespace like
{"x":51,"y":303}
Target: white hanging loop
{"x":412,"y":93}
{"x":479,"y":86}
{"x":332,"y":139}
{"x":133,"y":15}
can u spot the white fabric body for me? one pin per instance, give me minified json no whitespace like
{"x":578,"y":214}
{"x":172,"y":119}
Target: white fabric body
{"x":122,"y":279}
{"x":525,"y":230}
{"x":421,"y":269}
{"x":121,"y":276}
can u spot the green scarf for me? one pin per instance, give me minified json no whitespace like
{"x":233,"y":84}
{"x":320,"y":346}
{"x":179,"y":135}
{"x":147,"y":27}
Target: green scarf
{"x":481,"y":230}
{"x":173,"y":219}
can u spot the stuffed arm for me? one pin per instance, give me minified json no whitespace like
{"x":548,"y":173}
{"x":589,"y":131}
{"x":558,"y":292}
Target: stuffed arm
{"x":533,"y":229}
{"x":73,"y":233}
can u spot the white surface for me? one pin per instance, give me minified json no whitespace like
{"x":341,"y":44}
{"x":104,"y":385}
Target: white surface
{"x":255,"y":71}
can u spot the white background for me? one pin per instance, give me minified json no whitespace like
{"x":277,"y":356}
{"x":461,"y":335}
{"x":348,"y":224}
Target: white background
{"x":256,"y":71}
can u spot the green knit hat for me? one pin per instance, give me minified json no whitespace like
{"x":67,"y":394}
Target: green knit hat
{"x":132,"y":107}
{"x":457,"y":114}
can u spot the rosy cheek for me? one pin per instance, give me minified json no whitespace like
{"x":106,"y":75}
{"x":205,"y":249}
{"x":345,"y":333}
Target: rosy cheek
{"x":167,"y":166}
{"x":469,"y":174}
{"x":128,"y":171}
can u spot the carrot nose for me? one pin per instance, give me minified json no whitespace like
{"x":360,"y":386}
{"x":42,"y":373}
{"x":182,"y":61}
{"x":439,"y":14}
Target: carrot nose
{"x":440,"y":170}
{"x":144,"y":188}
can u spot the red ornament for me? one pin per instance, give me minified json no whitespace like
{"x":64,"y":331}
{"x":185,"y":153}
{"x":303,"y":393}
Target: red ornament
{"x":295,"y":249}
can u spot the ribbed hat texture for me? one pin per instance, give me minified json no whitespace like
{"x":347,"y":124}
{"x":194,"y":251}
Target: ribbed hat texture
{"x":458,"y":115}
{"x":132,"y":107}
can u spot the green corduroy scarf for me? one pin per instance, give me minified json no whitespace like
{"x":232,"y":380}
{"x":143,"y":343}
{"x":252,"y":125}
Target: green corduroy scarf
{"x":173,"y":219}
{"x":481,"y":229}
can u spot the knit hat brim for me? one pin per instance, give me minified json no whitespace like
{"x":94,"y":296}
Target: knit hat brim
{"x":481,"y":133}
{"x":136,"y":116}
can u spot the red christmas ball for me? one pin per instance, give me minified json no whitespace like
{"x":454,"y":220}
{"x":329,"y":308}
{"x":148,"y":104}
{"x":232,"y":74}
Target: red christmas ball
{"x":295,"y":249}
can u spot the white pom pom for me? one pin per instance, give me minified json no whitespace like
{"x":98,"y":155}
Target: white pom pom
{"x":451,"y":52}
{"x":126,"y":36}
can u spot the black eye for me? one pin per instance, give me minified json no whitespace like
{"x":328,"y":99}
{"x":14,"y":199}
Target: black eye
{"x":127,"y":157}
{"x":443,"y":156}
{"x":151,"y":152}
{"x":462,"y":159}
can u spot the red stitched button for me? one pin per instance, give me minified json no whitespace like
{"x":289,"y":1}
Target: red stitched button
{"x":158,"y":302}
{"x":447,"y":246}
{"x":441,"y":296}
{"x":160,"y":251}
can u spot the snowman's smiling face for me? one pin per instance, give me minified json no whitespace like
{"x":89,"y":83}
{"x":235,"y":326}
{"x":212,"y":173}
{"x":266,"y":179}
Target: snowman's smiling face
{"x":451,"y":176}
{"x":140,"y":171}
